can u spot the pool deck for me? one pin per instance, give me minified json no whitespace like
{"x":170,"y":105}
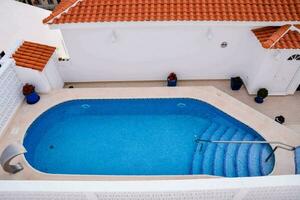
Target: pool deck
{"x":263,"y":124}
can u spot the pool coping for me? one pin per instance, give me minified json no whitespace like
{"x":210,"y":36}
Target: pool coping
{"x":268,"y":128}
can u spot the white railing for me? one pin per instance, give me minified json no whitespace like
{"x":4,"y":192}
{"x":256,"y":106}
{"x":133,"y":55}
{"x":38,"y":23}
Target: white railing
{"x":10,"y":92}
{"x":258,"y":188}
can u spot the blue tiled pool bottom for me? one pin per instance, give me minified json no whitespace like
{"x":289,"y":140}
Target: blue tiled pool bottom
{"x":142,"y":137}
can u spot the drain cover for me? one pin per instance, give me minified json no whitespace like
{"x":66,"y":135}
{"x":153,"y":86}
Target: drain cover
{"x":85,"y":106}
{"x":181,"y":105}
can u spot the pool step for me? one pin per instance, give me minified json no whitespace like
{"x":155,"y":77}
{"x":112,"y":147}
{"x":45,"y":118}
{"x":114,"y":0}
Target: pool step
{"x":208,"y":165}
{"x":242,"y":160}
{"x":233,"y":159}
{"x":230,"y":156}
{"x":199,"y":152}
{"x":221,"y":151}
{"x":254,"y":159}
{"x":266,"y":166}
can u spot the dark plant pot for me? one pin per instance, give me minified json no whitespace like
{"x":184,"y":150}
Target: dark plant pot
{"x":172,"y":83}
{"x":280,"y":119}
{"x":236,"y":83}
{"x":32,"y":98}
{"x":259,"y":99}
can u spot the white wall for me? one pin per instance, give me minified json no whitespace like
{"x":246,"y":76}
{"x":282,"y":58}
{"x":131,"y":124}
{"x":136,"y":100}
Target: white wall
{"x":44,"y":81}
{"x":128,"y":52}
{"x":34,"y":77}
{"x":150,"y":53}
{"x":21,"y":21}
{"x":10,"y":92}
{"x":248,"y":188}
{"x":53,"y":76}
{"x":276,"y":73}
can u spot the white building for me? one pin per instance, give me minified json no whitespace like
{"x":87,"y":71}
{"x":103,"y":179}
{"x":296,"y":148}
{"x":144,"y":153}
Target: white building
{"x":36,"y":65}
{"x":137,"y":40}
{"x":145,"y":40}
{"x":23,"y":22}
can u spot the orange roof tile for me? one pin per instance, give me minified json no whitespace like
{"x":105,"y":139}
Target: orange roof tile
{"x":61,"y":7}
{"x":297,"y":26}
{"x":75,"y":11}
{"x":33,"y":55}
{"x":274,"y":37}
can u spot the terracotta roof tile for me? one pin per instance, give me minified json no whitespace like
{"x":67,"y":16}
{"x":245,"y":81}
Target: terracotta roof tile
{"x":274,"y":37}
{"x":33,"y":55}
{"x":174,"y":10}
{"x":61,"y":7}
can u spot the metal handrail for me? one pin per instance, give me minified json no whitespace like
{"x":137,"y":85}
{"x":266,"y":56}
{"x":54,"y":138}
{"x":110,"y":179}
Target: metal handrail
{"x":279,"y":144}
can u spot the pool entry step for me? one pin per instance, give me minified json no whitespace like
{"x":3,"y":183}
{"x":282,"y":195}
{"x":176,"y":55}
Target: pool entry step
{"x":231,"y":159}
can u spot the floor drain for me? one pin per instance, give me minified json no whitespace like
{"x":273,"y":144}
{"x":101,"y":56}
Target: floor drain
{"x":181,"y":105}
{"x":51,"y":147}
{"x":85,"y":106}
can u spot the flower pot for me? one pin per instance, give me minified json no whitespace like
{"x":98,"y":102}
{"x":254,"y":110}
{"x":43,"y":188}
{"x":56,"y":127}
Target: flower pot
{"x":32,"y":98}
{"x":259,"y":99}
{"x":280,"y":119}
{"x":236,"y":83}
{"x":28,"y":89}
{"x":172,"y":83}
{"x":263,"y":93}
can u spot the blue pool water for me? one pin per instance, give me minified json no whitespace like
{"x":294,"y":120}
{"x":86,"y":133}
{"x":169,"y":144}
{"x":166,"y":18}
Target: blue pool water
{"x":143,"y":137}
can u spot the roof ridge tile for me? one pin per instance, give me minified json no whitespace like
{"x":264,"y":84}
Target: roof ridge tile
{"x":278,"y":37}
{"x":60,"y":8}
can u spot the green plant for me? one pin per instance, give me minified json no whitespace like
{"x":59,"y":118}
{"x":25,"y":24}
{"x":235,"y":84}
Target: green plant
{"x":262,"y":92}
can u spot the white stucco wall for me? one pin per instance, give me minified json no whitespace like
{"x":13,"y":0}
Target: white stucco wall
{"x":34,"y":77}
{"x":150,"y":53}
{"x":137,"y":52}
{"x":21,"y":21}
{"x":53,"y":76}
{"x":44,"y":81}
{"x":247,"y":188}
{"x":276,"y":73}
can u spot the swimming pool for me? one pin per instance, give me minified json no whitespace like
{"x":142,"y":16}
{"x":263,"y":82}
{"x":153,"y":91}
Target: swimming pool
{"x":143,"y":137}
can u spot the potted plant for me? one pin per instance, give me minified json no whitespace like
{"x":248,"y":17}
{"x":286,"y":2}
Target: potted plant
{"x":172,"y":80}
{"x":280,"y":119}
{"x":236,"y":83}
{"x":262,"y":93}
{"x":29,"y":92}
